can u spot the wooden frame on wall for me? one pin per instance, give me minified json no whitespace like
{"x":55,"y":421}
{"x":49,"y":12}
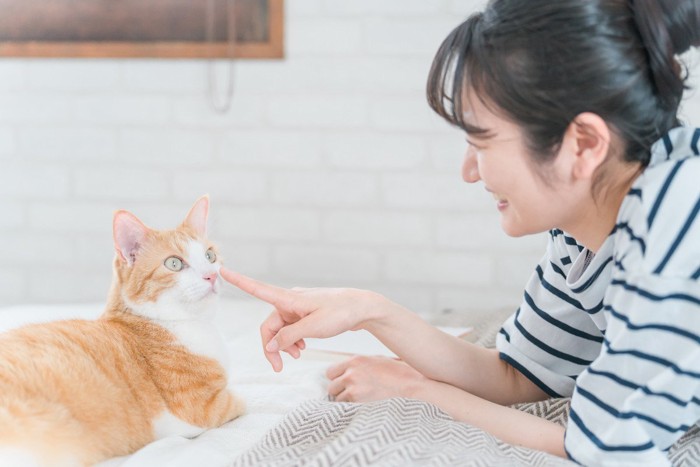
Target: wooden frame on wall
{"x":142,"y":28}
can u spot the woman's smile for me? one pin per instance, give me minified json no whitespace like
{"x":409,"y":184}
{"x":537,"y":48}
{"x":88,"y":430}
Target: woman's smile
{"x":501,"y":201}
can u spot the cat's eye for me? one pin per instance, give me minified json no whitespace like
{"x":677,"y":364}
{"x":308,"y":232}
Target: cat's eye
{"x":211,"y":256}
{"x":174,"y":263}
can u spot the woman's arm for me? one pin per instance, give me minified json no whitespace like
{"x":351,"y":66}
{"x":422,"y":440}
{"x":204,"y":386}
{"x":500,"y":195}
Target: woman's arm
{"x":366,"y":379}
{"x":505,"y":423}
{"x":449,"y":359}
{"x":301,"y":313}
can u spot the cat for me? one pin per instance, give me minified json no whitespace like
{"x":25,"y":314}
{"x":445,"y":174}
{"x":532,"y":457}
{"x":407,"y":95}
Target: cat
{"x":77,"y":392}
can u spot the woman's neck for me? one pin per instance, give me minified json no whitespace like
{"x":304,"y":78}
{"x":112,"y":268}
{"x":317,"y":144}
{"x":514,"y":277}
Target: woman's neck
{"x":595,"y":222}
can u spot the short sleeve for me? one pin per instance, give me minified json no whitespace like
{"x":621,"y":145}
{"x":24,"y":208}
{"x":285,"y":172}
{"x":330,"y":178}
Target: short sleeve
{"x":552,"y":337}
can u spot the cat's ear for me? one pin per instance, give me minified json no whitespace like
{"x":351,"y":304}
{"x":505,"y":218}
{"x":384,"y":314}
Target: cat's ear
{"x":197,"y":217}
{"x":129,"y":235}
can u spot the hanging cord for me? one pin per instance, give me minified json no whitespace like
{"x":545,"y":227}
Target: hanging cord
{"x":221,"y":104}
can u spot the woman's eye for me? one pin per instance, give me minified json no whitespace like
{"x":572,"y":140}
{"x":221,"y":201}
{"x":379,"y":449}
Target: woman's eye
{"x":174,"y":263}
{"x":476,"y":147}
{"x":211,"y":256}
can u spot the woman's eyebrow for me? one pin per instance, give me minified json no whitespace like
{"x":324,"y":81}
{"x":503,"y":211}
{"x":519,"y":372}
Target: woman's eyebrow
{"x":473,"y":130}
{"x":484,"y":135}
{"x":481,"y":134}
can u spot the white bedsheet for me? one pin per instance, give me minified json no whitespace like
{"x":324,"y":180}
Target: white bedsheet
{"x":268,"y":395}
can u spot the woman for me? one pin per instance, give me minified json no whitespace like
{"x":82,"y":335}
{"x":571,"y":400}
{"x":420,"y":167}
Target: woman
{"x":570,"y":111}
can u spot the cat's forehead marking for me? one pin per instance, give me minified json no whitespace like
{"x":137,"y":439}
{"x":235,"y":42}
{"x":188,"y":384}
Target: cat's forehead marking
{"x":180,"y":241}
{"x":196,"y":256}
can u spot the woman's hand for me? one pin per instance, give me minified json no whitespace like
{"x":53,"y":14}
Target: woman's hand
{"x":366,"y":379}
{"x":300,"y":313}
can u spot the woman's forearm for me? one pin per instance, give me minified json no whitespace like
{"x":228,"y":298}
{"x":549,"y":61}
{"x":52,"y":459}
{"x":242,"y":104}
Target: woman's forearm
{"x":505,"y":423}
{"x":446,"y":358}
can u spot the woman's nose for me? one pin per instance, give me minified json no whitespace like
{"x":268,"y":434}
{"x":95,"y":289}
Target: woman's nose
{"x":470,"y":167}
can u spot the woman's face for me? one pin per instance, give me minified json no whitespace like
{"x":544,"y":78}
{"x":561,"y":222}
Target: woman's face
{"x":526,"y":202}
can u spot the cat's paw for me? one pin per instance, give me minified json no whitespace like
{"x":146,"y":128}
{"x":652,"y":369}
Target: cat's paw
{"x":236,"y":407}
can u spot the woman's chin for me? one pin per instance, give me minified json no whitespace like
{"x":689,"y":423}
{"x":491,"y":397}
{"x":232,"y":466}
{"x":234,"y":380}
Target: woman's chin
{"x":510,"y":228}
{"x":516,"y":229}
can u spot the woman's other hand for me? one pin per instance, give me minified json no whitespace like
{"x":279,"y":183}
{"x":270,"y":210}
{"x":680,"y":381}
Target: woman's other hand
{"x":366,"y":379}
{"x":299,"y":313}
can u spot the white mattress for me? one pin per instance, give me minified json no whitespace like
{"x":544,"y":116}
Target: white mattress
{"x":268,"y":395}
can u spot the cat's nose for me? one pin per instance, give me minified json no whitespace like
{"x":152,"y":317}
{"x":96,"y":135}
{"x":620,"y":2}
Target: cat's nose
{"x":211,"y":277}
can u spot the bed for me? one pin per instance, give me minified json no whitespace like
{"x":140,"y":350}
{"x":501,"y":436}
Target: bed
{"x":290,"y":421}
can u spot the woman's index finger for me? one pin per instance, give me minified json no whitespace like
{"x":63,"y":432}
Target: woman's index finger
{"x":266,"y":292}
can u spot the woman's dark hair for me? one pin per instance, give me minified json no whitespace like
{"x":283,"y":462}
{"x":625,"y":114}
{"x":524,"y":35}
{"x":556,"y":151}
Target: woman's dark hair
{"x":540,"y":63}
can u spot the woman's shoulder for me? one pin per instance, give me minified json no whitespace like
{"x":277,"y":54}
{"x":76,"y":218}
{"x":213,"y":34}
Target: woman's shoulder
{"x":669,"y":190}
{"x":675,"y":159}
{"x":662,"y":206}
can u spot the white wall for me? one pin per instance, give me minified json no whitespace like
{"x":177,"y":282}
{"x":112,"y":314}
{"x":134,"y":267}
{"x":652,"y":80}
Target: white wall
{"x":330,"y":169}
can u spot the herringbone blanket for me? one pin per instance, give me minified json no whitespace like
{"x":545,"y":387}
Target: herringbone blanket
{"x":406,"y":432}
{"x":401,"y":432}
{"x":395,"y":432}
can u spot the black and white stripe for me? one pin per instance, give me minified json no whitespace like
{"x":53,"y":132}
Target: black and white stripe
{"x":622,"y":334}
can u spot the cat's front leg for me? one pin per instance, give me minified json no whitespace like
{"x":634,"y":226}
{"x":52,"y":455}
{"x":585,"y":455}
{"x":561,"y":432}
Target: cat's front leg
{"x":190,"y":420}
{"x":225,"y":407}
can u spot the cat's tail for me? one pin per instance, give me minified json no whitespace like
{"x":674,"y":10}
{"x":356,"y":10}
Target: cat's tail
{"x":34,"y":436}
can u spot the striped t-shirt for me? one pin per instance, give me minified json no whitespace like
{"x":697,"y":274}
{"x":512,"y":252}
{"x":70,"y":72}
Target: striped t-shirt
{"x":619,"y":330}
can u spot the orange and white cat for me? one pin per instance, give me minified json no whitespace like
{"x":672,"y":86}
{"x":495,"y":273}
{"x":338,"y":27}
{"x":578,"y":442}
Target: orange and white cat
{"x":76,"y":392}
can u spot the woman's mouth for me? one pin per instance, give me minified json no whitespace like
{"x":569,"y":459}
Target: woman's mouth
{"x":501,"y":203}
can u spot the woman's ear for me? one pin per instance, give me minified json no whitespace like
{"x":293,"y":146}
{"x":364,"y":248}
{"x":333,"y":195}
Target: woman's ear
{"x":129,"y":236}
{"x":588,"y":138}
{"x":198,"y":215}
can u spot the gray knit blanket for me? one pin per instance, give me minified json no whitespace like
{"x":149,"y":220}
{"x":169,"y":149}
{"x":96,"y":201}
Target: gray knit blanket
{"x":407,"y":432}
{"x":394,"y":432}
{"x":401,"y":432}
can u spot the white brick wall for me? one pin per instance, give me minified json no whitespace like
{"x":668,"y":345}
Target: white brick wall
{"x":273,"y":225}
{"x":330,"y":169}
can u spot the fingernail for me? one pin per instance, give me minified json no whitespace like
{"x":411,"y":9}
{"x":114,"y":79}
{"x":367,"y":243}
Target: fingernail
{"x":272,"y":346}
